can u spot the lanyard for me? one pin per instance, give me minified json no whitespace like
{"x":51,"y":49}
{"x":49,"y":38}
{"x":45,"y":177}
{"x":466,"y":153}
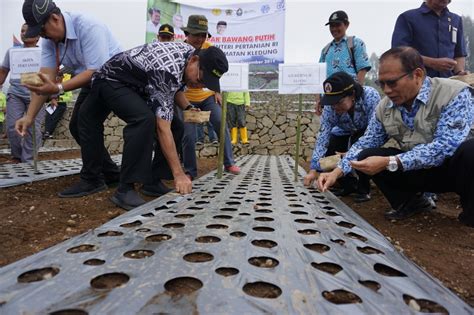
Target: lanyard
{"x":59,"y":61}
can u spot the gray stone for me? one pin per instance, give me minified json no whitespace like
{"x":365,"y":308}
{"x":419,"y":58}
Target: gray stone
{"x":280,"y":120}
{"x":251,"y":119}
{"x":290,"y":132}
{"x":267,"y":122}
{"x":278,"y":137}
{"x":275,"y":130}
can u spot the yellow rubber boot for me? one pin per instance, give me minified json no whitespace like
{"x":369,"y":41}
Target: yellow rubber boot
{"x":233,"y":135}
{"x":243,"y":135}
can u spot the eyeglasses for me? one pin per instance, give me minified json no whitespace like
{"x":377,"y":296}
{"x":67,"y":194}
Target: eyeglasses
{"x":391,"y":83}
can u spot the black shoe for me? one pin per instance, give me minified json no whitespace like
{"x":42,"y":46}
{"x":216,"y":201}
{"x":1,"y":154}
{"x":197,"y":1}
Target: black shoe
{"x":112,"y":179}
{"x":359,"y":198}
{"x":157,"y":190}
{"x":82,"y":188}
{"x":416,"y":205}
{"x":127,"y":200}
{"x":343,"y":192}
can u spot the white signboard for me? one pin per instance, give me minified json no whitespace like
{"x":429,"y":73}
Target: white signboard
{"x":301,"y":78}
{"x":23,"y":60}
{"x":236,"y":79}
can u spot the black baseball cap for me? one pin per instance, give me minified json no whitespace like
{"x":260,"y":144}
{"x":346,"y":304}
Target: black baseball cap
{"x":336,"y":87}
{"x":166,"y":29}
{"x":338,"y":17}
{"x":36,"y":13}
{"x":214,"y":64}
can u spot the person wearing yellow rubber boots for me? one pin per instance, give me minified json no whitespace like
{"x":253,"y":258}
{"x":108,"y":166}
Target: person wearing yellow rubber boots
{"x":236,"y":107}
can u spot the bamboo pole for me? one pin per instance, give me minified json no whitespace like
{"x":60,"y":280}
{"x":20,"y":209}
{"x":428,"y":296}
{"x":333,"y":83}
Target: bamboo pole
{"x":298,"y":136}
{"x":220,"y":154}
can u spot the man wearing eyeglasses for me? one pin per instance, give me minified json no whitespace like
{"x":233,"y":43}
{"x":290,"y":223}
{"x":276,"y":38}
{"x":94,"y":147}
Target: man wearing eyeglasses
{"x":437,"y":34}
{"x":430,"y":119}
{"x":77,"y":42}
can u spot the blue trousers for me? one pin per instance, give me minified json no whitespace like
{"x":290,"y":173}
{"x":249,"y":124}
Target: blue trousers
{"x":210,"y":132}
{"x":189,"y":139}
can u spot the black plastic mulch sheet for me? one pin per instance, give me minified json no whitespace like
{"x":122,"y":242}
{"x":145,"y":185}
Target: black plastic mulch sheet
{"x":255,"y":243}
{"x":24,"y":173}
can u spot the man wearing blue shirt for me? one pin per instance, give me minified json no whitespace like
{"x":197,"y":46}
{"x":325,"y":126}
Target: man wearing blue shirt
{"x":80,"y":43}
{"x":343,"y":53}
{"x":430,"y":119}
{"x":437,"y":34}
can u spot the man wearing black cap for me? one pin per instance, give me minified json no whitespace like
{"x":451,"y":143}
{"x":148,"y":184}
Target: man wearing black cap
{"x":137,"y":85}
{"x":430,"y":119}
{"x":197,"y":31}
{"x":343,"y":53}
{"x":166,"y":33}
{"x":349,"y":107}
{"x":81,"y":44}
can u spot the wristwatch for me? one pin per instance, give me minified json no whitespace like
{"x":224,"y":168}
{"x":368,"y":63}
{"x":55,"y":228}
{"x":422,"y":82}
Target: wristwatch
{"x":60,"y":89}
{"x":392,"y":164}
{"x":190,"y":106}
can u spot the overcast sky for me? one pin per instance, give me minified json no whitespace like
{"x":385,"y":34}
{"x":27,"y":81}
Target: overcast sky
{"x":371,"y":20}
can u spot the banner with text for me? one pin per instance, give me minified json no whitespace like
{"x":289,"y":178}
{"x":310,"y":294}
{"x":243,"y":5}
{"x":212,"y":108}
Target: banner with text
{"x":251,"y":32}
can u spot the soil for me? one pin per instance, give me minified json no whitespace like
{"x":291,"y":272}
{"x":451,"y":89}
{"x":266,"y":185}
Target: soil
{"x":33,"y":218}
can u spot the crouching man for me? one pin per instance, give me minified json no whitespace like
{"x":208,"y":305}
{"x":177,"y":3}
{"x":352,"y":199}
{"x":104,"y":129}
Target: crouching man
{"x":141,"y":86}
{"x":430,"y":119}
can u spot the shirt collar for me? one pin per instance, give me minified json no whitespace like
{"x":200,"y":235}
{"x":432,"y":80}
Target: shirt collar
{"x":70,"y":31}
{"x":342,"y":40}
{"x":426,"y":9}
{"x":423,"y":94}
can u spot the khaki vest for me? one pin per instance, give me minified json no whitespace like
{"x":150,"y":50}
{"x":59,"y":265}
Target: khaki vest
{"x":426,"y":119}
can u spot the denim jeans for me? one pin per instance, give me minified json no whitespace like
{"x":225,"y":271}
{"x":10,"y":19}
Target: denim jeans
{"x":210,"y":132}
{"x":189,"y":139}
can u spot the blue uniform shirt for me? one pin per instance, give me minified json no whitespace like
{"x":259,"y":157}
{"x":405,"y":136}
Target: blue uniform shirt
{"x":338,"y":57}
{"x":432,"y":35}
{"x":364,"y":109}
{"x":89,"y":44}
{"x":453,"y":126}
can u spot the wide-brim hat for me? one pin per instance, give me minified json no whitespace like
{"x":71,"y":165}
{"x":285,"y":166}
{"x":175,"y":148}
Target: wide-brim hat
{"x":197,"y":24}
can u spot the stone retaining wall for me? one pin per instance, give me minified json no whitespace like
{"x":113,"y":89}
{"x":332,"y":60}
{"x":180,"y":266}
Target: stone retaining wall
{"x":271,"y":124}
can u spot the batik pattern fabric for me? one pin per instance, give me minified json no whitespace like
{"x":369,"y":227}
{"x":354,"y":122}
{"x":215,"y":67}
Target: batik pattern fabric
{"x":364,"y":109}
{"x":452,"y":129}
{"x":153,"y":70}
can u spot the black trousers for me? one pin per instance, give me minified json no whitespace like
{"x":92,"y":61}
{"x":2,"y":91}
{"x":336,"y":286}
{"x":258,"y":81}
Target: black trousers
{"x":456,"y":174}
{"x":51,"y":121}
{"x":109,"y":168}
{"x":106,"y":97}
{"x":342,"y":144}
{"x":160,"y":167}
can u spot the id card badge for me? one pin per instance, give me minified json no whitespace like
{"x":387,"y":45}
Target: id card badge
{"x":454,"y":35}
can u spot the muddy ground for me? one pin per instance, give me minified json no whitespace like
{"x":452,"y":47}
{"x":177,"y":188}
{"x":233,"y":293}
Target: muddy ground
{"x":33,"y":218}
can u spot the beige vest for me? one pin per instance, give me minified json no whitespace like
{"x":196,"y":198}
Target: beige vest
{"x":426,"y":119}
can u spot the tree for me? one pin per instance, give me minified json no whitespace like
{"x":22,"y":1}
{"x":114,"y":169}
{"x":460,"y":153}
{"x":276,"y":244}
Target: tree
{"x":468,"y":26}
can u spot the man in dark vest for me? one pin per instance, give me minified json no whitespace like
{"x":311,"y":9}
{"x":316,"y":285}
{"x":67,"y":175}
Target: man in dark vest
{"x":430,"y":119}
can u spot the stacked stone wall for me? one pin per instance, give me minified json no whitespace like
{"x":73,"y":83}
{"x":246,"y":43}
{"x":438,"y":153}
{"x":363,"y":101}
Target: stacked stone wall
{"x":271,"y":124}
